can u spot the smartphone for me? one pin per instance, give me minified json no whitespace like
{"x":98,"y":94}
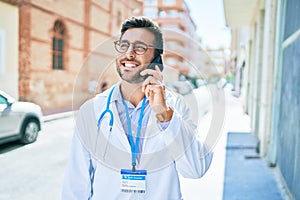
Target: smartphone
{"x":156,"y":61}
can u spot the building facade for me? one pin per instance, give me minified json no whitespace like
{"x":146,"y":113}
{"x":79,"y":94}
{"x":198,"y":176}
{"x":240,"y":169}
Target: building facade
{"x":54,"y":39}
{"x":270,"y":33}
{"x":183,"y":54}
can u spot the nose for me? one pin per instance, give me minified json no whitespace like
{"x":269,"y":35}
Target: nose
{"x":130,"y":53}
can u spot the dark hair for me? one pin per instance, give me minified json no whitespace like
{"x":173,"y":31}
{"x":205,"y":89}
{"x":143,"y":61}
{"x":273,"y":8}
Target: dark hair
{"x":145,"y":22}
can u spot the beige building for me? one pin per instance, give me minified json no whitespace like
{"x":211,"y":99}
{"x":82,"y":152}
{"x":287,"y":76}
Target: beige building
{"x":219,"y":58}
{"x":44,"y":46}
{"x":183,"y":54}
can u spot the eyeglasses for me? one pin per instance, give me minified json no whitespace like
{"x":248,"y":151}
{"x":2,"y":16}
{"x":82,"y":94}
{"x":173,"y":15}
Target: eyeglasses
{"x":138,"y":47}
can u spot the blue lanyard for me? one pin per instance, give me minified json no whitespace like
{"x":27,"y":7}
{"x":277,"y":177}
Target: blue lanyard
{"x":134,"y":146}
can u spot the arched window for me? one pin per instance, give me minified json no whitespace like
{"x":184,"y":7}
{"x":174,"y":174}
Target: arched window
{"x":58,"y":45}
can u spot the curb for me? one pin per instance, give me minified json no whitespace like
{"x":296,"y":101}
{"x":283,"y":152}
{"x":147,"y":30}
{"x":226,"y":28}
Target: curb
{"x":56,"y":116}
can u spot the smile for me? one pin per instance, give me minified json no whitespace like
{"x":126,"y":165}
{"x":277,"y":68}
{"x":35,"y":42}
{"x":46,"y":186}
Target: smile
{"x":129,"y":65}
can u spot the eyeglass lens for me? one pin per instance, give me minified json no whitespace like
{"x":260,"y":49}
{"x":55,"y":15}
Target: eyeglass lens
{"x":138,"y":48}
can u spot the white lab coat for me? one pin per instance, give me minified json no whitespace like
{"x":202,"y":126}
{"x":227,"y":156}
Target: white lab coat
{"x":97,"y":156}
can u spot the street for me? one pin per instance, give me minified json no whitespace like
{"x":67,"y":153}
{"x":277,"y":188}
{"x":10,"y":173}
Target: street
{"x":35,"y":171}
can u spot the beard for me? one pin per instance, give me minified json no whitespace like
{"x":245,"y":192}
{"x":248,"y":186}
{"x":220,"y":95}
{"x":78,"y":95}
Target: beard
{"x":131,"y":76}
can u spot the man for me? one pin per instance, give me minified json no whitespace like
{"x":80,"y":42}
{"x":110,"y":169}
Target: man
{"x":131,"y":141}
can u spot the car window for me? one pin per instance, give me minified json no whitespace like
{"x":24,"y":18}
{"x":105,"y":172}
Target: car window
{"x":3,"y":100}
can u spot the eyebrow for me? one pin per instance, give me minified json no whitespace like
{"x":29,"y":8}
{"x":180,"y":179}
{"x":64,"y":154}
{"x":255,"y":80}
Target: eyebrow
{"x":136,"y":42}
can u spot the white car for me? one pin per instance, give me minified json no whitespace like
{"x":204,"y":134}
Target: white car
{"x":18,"y":120}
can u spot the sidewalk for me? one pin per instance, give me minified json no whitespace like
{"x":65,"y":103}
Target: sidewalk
{"x":247,"y":176}
{"x":237,"y":172}
{"x":211,"y":185}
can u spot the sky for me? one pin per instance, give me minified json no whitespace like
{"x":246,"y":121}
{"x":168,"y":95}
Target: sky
{"x":209,"y":18}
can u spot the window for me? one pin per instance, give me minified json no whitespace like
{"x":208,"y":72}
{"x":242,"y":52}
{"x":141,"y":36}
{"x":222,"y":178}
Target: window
{"x":3,"y":100}
{"x":58,"y":45}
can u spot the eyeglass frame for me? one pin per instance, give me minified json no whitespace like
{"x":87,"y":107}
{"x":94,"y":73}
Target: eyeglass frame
{"x":133,"y":48}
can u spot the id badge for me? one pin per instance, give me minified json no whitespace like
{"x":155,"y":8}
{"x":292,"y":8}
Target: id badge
{"x":133,"y":182}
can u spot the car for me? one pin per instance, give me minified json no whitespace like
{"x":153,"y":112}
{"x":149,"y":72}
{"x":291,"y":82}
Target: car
{"x":19,"y":121}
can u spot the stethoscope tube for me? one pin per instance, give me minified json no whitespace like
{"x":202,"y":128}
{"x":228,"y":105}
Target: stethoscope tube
{"x":107,"y":110}
{"x":134,"y":146}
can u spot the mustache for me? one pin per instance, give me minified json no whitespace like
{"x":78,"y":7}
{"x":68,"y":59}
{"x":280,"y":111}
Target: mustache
{"x":131,"y":60}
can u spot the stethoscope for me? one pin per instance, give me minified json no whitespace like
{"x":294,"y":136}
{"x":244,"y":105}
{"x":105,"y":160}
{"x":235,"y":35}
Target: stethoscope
{"x":134,"y":146}
{"x":107,"y":110}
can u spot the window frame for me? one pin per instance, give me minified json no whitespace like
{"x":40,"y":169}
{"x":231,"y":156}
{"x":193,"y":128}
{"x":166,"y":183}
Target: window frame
{"x":58,"y":46}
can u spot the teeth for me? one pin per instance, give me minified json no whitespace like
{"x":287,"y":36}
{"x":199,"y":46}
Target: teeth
{"x":129,"y":65}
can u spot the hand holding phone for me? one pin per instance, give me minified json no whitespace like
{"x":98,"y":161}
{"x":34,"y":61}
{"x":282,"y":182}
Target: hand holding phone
{"x":152,"y":75}
{"x":156,"y":61}
{"x":155,"y":90}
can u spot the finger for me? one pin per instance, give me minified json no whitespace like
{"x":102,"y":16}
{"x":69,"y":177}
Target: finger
{"x":149,"y":72}
{"x":150,"y":81}
{"x":148,"y":91}
{"x":155,"y":73}
{"x":152,"y":90}
{"x":158,"y":74}
{"x":157,"y":68}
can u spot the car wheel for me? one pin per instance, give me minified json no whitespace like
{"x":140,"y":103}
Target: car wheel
{"x":29,"y":131}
